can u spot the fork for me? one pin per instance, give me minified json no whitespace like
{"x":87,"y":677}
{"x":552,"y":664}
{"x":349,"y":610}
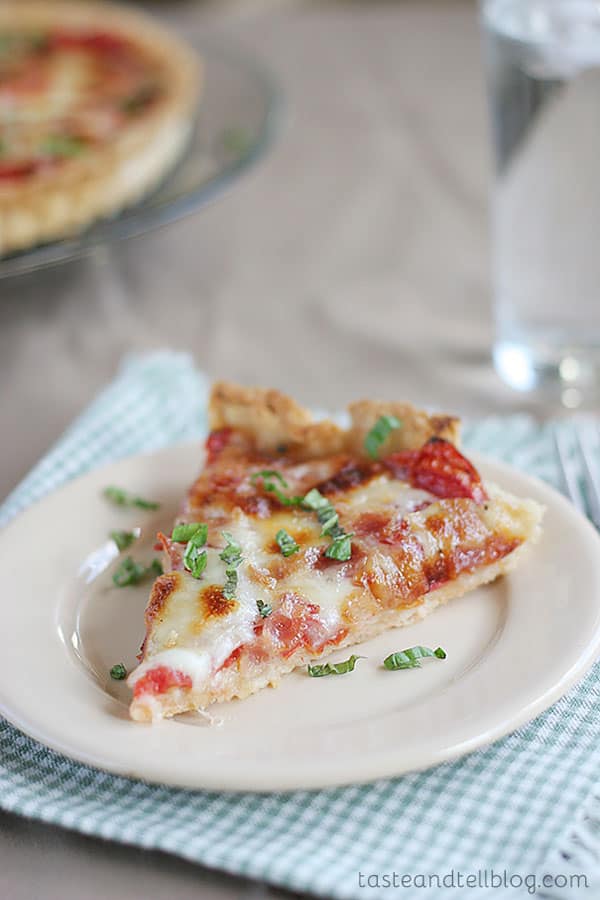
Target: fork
{"x":587,"y":500}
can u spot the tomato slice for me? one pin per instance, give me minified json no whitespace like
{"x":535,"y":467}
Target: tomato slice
{"x":10,"y":171}
{"x":159,"y":680}
{"x":97,"y":41}
{"x":441,"y":469}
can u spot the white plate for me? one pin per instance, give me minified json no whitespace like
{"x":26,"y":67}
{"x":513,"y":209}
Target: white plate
{"x":513,"y":649}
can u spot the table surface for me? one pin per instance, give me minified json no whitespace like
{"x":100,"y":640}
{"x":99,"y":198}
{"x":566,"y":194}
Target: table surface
{"x":352,"y":261}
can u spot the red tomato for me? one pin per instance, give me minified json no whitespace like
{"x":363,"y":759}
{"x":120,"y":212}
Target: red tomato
{"x":438,"y":467}
{"x":98,"y":41}
{"x":159,"y":680}
{"x":9,"y":171}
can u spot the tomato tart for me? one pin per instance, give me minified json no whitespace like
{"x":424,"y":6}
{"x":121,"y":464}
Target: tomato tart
{"x":300,"y":537}
{"x":96,"y":105}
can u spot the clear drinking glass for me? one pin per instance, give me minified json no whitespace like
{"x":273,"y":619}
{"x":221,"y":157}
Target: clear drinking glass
{"x":543,"y":67}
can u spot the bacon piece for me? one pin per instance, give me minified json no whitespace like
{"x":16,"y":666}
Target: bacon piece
{"x":438,"y":467}
{"x":350,"y":475}
{"x":173,"y":551}
{"x":159,"y":680}
{"x":296,"y":624}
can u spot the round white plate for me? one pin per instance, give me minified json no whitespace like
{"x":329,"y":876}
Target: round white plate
{"x":513,"y":649}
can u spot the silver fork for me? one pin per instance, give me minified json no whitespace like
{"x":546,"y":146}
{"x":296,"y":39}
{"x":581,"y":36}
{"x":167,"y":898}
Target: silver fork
{"x":586,"y":495}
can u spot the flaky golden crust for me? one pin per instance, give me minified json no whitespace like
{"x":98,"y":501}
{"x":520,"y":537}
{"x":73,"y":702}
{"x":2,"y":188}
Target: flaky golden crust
{"x":118,"y":173}
{"x":273,"y":420}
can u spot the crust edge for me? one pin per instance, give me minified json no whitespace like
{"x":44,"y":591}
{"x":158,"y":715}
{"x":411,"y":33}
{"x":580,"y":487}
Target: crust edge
{"x":272,"y":419}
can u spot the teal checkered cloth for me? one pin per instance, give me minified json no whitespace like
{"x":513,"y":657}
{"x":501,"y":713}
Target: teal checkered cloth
{"x":526,"y":806}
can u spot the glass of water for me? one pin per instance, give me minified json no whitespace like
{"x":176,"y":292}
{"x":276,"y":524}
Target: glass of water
{"x":543,"y":68}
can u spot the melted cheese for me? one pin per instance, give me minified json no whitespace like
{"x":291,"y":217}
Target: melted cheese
{"x":186,"y":639}
{"x":382,"y":493}
{"x":195,"y":636}
{"x":194,"y":643}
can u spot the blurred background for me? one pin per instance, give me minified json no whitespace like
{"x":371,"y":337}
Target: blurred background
{"x":352,"y":259}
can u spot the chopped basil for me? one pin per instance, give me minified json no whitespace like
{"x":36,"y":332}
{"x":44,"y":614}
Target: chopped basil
{"x":269,"y":485}
{"x":123,"y":539}
{"x":231,"y":583}
{"x":183,"y":533}
{"x":326,"y":514}
{"x":123,"y":498}
{"x":118,"y":672}
{"x":197,"y":562}
{"x":232,"y":554}
{"x":286,"y":542}
{"x":22,"y":42}
{"x":340,"y":548}
{"x":232,"y":557}
{"x":63,"y":145}
{"x":315,"y":502}
{"x":194,"y":558}
{"x":379,"y":433}
{"x":340,"y":668}
{"x":265,"y":609}
{"x":410,"y":659}
{"x":129,"y":572}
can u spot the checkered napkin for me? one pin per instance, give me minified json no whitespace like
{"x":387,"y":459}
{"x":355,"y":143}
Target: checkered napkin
{"x":526,"y":806}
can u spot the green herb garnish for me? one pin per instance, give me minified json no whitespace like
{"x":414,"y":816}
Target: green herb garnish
{"x":265,"y":609}
{"x":194,"y":558}
{"x":123,"y":498}
{"x":326,"y":514}
{"x":231,"y":583}
{"x":340,"y":668}
{"x":379,"y":433}
{"x":63,"y":145}
{"x":184,"y":533}
{"x":269,"y":485}
{"x":410,"y":659}
{"x":340,"y":548}
{"x":315,"y":502}
{"x":123,"y":539}
{"x":196,"y":562}
{"x":118,"y":672}
{"x":232,"y":554}
{"x":286,"y":542}
{"x":129,"y":572}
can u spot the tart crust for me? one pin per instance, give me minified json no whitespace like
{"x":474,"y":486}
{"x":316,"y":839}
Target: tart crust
{"x":120,"y":172}
{"x":272,"y":420}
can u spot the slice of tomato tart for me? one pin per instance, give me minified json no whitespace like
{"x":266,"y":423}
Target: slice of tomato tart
{"x":97,"y":103}
{"x":300,"y":537}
